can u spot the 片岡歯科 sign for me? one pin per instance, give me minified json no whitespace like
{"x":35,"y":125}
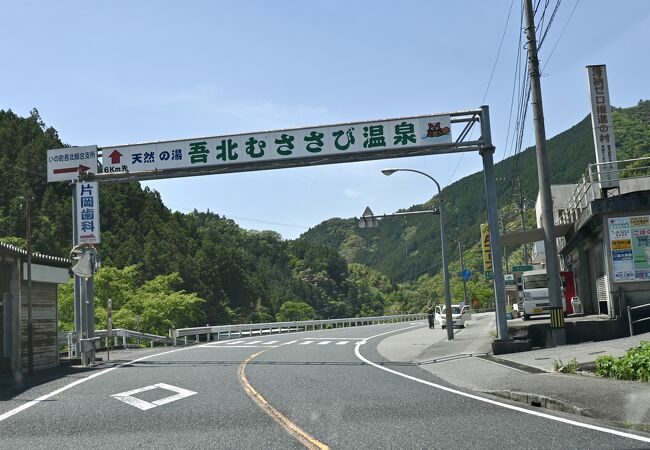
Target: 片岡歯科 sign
{"x":87,"y":210}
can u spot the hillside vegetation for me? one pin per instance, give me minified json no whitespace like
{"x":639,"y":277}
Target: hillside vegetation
{"x":174,"y":269}
{"x":206,"y":267}
{"x":406,"y":248}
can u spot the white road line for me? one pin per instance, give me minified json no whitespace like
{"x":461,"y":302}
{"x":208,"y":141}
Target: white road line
{"x":128,"y":396}
{"x":336,"y":339}
{"x":290,"y":342}
{"x":305,"y":342}
{"x":342,"y":342}
{"x":234,"y":342}
{"x":253,"y":342}
{"x":239,"y":346}
{"x":42,"y":398}
{"x":487,"y":400}
{"x":269,"y":342}
{"x":324,"y":343}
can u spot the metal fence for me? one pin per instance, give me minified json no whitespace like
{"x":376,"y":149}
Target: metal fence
{"x":588,"y":188}
{"x":629,"y":316}
{"x":69,"y":338}
{"x":222,"y":332}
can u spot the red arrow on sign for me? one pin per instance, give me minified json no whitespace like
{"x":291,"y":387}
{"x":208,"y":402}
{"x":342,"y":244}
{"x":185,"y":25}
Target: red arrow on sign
{"x":80,"y":168}
{"x":115,"y":157}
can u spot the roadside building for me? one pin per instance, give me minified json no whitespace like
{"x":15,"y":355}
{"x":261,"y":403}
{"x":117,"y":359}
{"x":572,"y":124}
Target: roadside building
{"x":607,"y":245}
{"x":47,"y":273}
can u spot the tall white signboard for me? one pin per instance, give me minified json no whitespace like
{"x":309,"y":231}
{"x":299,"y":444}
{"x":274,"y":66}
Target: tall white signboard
{"x":601,"y":120}
{"x":87,"y":213}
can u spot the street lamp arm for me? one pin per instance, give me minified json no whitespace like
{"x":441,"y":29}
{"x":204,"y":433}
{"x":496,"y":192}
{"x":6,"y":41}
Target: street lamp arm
{"x":445,"y":272}
{"x":389,"y":172}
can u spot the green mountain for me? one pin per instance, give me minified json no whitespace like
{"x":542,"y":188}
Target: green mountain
{"x":406,"y":248}
{"x":191,"y":269}
{"x":238,"y":275}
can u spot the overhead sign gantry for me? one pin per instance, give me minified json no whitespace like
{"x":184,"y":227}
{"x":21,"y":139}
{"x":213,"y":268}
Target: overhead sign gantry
{"x":306,"y":146}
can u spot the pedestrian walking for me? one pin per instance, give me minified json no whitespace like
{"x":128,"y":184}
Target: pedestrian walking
{"x":431,"y":316}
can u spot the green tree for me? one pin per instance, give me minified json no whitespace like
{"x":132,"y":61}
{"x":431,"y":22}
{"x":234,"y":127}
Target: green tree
{"x":295,"y":310}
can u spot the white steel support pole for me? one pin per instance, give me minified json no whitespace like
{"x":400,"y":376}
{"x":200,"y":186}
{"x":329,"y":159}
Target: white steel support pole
{"x":493,"y":225}
{"x":77,"y":281}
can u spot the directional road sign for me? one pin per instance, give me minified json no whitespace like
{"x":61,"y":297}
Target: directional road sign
{"x":466,"y":274}
{"x":65,"y":164}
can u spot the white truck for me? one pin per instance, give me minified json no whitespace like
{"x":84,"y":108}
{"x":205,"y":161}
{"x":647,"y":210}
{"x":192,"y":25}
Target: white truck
{"x":533,"y":294}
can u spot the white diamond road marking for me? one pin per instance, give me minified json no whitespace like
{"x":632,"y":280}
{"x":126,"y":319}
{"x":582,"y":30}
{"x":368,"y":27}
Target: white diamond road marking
{"x":305,"y":342}
{"x":128,"y":398}
{"x":324,"y":343}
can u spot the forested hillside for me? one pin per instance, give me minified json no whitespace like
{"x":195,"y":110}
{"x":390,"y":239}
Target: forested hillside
{"x":174,"y":269}
{"x":406,"y":248}
{"x":208,"y":268}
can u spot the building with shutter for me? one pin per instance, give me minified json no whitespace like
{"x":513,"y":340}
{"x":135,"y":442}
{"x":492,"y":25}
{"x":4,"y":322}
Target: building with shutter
{"x":47,"y":272}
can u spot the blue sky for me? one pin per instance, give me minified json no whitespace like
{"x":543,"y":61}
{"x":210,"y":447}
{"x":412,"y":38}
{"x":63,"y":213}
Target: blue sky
{"x":122,"y":72}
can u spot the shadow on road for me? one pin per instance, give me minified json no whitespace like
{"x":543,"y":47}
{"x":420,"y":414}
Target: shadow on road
{"x":13,"y":385}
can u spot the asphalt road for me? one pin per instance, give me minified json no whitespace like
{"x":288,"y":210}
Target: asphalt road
{"x":315,"y":389}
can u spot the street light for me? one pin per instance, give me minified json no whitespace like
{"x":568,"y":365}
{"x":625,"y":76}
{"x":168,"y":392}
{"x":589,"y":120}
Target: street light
{"x":450,"y":322}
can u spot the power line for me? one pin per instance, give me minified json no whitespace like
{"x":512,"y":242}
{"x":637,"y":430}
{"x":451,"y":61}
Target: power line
{"x":487,"y":88}
{"x":550,"y":22}
{"x":561,"y":34}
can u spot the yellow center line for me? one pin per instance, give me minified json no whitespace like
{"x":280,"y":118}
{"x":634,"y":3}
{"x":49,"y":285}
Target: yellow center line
{"x":293,"y":429}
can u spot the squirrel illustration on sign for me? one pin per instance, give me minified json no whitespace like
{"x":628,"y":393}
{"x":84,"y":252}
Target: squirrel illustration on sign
{"x":435,"y":130}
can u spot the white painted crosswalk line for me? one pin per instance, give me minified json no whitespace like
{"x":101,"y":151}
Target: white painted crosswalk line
{"x":269,"y":342}
{"x":342,"y":342}
{"x":253,"y":342}
{"x":234,"y":342}
{"x":305,"y":342}
{"x":324,"y":342}
{"x":290,"y":342}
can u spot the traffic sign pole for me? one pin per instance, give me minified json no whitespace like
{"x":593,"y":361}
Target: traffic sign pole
{"x":462,"y":269}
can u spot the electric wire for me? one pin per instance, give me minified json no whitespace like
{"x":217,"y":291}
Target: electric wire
{"x":487,"y":88}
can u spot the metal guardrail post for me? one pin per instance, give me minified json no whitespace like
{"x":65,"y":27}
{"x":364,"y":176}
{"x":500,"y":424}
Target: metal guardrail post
{"x":629,"y":320}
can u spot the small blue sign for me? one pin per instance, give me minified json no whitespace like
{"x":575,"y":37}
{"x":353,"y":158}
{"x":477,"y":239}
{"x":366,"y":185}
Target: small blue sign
{"x":466,"y":274}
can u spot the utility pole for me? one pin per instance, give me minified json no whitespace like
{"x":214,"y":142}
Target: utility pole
{"x":558,"y":329}
{"x":30,"y":324}
{"x":462,"y":268}
{"x":503,"y":231}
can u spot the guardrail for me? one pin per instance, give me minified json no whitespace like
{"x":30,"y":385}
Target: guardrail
{"x":70,"y":338}
{"x":629,"y":316}
{"x":250,"y":329}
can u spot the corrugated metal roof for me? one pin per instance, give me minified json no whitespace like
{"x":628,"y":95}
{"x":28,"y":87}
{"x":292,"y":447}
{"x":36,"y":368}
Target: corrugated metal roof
{"x":36,"y":257}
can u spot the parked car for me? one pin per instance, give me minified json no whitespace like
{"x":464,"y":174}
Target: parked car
{"x":460,"y":314}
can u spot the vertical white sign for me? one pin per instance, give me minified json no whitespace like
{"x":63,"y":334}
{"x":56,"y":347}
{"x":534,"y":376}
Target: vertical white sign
{"x":601,"y":120}
{"x":87,"y":213}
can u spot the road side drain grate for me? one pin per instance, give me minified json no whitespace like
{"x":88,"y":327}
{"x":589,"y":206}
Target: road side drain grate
{"x":511,"y":364}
